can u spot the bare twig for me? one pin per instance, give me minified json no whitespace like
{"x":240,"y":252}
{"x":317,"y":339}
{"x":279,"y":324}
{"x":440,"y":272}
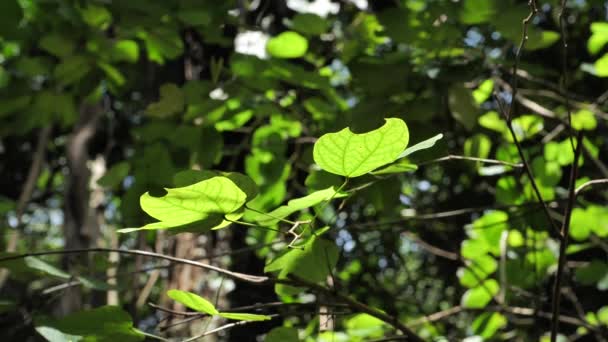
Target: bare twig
{"x":354,"y":304}
{"x":223,"y":327}
{"x":564,"y":240}
{"x":437,"y":316}
{"x":27,"y":191}
{"x":234,"y":275}
{"x":475,"y":159}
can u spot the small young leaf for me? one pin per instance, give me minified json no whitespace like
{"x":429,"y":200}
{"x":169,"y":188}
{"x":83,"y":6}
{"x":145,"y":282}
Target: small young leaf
{"x":244,"y":316}
{"x":296,"y":205}
{"x":348,"y":154}
{"x":193,"y":301}
{"x":428,"y":143}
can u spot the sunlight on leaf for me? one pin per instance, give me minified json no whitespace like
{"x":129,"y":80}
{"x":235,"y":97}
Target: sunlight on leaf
{"x":193,"y":301}
{"x":298,"y":204}
{"x":348,"y":154}
{"x":288,"y":44}
{"x":196,"y":202}
{"x":244,"y":316}
{"x":428,"y":143}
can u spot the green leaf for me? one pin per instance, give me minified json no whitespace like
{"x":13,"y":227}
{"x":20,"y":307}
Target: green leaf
{"x":313,"y":260}
{"x":244,"y":316}
{"x":162,"y":42}
{"x":598,"y":38}
{"x":297,"y":204}
{"x":57,"y":45}
{"x":171,"y":102}
{"x":282,"y":334}
{"x":72,"y":69}
{"x":348,"y":154}
{"x":115,"y":175}
{"x":491,"y":120}
{"x":477,"y":11}
{"x":483,"y":92}
{"x":584,"y":120}
{"x":580,"y":224}
{"x":96,"y":16}
{"x":428,"y":143}
{"x":55,"y":335}
{"x":477,"y":271}
{"x":488,"y":323}
{"x":309,"y":24}
{"x":601,"y":66}
{"x":195,"y":17}
{"x":37,"y":264}
{"x":478,"y":297}
{"x":103,"y":324}
{"x":12,"y":14}
{"x":365,"y":326}
{"x":288,"y":44}
{"x":125,"y":51}
{"x":479,"y":145}
{"x":596,"y":272}
{"x":196,"y":202}
{"x":193,"y":301}
{"x":463,"y":106}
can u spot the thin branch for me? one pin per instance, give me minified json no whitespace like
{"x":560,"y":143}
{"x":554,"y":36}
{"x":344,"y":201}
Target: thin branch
{"x":27,"y":191}
{"x":394,"y":321}
{"x":223,"y":327}
{"x":432,"y":249}
{"x":590,"y":183}
{"x":234,"y":275}
{"x":437,"y":316}
{"x":528,"y":171}
{"x":475,"y":159}
{"x":564,"y":240}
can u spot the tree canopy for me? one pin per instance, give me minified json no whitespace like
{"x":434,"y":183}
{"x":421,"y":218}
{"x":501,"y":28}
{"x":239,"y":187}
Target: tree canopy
{"x":353,"y":170}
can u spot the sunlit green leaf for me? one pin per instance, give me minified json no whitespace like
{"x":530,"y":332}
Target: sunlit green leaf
{"x":287,"y":45}
{"x":428,"y":143}
{"x":488,"y":323}
{"x":196,"y":202}
{"x":348,"y":154}
{"x":601,"y":66}
{"x":584,"y":119}
{"x":244,"y":316}
{"x":598,"y":38}
{"x":193,"y":301}
{"x":298,"y":204}
{"x":480,"y":296}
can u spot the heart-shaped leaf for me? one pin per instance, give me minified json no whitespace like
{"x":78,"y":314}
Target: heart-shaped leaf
{"x":351,"y":155}
{"x":193,"y":301}
{"x":192,"y":203}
